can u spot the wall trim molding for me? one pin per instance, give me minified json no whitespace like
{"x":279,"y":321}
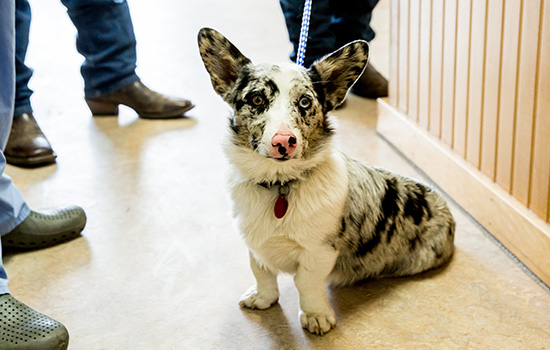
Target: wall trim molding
{"x":521,"y":231}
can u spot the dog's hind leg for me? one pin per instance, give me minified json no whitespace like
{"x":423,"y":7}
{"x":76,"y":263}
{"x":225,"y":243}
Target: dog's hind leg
{"x":316,"y":315}
{"x":265,"y":292}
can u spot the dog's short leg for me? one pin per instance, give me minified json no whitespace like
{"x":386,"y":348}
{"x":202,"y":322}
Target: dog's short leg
{"x":265,"y":293}
{"x":316,"y":315}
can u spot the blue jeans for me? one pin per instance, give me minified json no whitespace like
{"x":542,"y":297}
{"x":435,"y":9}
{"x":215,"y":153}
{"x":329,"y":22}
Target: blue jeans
{"x":333,"y":24}
{"x":13,"y":209}
{"x":105,"y":38}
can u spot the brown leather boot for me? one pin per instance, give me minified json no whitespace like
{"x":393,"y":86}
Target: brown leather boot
{"x":146,"y":102}
{"x":371,"y":84}
{"x":27,"y":145}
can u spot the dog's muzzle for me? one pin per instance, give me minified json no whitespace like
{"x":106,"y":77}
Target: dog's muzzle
{"x":283,"y":145}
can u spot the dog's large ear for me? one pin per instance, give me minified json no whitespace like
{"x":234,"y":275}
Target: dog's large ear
{"x":222,"y":60}
{"x":338,"y":71}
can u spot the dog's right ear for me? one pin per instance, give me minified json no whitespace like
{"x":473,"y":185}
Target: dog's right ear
{"x":222,"y":60}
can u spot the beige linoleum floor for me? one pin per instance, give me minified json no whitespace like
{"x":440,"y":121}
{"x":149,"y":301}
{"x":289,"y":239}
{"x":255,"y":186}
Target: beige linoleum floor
{"x":160,"y":264}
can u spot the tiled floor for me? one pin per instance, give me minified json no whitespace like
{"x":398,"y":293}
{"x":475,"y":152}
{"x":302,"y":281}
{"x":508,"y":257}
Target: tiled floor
{"x":161,"y":266}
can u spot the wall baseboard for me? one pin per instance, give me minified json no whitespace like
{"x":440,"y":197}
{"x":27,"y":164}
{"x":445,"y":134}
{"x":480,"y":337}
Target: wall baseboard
{"x":516,"y":227}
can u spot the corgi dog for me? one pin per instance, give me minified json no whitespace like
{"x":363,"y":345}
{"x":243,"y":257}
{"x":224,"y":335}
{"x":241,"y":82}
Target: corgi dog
{"x":302,"y":206}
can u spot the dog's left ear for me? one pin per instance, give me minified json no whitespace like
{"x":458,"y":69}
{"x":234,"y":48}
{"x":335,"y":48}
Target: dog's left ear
{"x":338,"y":71}
{"x":222,"y":60}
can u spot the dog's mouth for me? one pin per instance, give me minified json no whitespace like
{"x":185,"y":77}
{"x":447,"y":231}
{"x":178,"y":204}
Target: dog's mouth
{"x":283,"y":158}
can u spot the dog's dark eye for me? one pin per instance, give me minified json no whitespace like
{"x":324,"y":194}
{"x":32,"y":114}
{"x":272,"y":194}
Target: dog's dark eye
{"x":257,"y":100}
{"x":304,"y":102}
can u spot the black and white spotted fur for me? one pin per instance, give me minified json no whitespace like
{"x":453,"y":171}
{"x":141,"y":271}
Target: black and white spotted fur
{"x":346,"y":220}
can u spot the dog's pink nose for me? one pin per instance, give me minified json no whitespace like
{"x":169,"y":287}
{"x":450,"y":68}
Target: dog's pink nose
{"x":284,"y":144}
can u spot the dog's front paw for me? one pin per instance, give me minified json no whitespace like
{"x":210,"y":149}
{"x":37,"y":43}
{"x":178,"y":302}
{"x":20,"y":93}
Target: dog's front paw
{"x":253,"y":299}
{"x":318,"y":323}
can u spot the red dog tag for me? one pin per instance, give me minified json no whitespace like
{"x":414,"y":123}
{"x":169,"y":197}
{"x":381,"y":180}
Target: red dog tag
{"x":281,"y":205}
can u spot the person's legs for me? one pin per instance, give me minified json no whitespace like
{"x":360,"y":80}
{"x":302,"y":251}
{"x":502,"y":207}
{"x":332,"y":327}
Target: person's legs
{"x":27,"y":145}
{"x":104,"y":70}
{"x":21,"y":326}
{"x":333,"y":24}
{"x":7,"y":68}
{"x":106,"y":40}
{"x":13,"y":209}
{"x":321,"y":37}
{"x":23,"y":73}
{"x":17,"y":222}
{"x":352,"y":20}
{"x":19,"y":226}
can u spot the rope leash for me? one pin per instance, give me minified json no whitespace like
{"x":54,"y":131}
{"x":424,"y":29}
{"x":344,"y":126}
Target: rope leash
{"x":303,"y":33}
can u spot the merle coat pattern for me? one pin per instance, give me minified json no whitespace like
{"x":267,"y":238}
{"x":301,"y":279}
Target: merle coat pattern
{"x":346,"y":220}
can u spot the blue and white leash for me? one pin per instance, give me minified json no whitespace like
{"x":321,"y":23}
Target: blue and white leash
{"x":303,"y":33}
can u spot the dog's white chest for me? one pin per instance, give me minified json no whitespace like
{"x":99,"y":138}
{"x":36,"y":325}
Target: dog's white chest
{"x":314,"y":211}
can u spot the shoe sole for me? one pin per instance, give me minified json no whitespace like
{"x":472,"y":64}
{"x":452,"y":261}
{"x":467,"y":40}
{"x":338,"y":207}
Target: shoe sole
{"x":176,"y":114}
{"x":44,"y":243}
{"x":31,"y":162}
{"x":107,"y":109}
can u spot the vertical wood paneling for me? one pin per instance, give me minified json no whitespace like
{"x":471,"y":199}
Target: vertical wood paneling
{"x":476,"y":87}
{"x":541,"y":152}
{"x":492,"y":87}
{"x":414,"y":56}
{"x":527,"y":71}
{"x":508,"y":92}
{"x":425,"y":62}
{"x":476,"y":74}
{"x":462,"y":75}
{"x":449,"y":71}
{"x":394,"y":53}
{"x":414,"y":52}
{"x":403,"y":99}
{"x":436,"y":67}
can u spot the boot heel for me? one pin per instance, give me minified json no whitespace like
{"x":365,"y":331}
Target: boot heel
{"x":99,"y":108}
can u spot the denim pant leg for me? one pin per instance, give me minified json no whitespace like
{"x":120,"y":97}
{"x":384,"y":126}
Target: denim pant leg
{"x":13,"y":209}
{"x":321,"y":39}
{"x":352,"y":20}
{"x":22,"y":72}
{"x":106,"y":40}
{"x":333,"y":24}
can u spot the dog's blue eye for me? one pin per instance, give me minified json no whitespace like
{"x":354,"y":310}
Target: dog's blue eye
{"x":257,"y":100}
{"x":304,"y":102}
